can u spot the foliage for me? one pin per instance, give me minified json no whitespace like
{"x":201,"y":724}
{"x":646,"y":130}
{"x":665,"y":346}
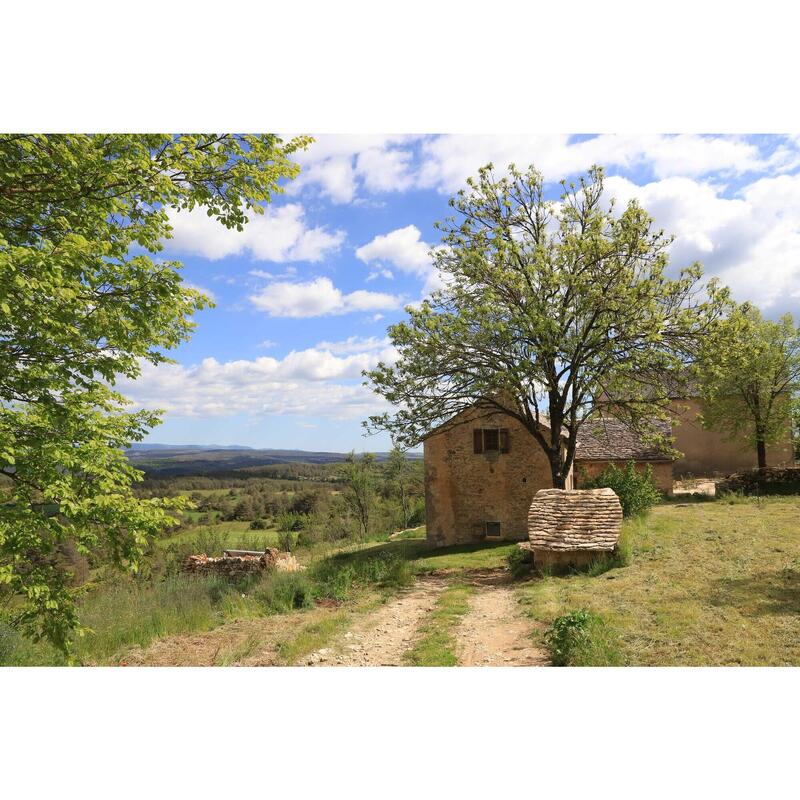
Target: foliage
{"x":760,"y":482}
{"x":748,"y":375}
{"x":258,"y":525}
{"x":636,"y":489}
{"x":359,"y":494}
{"x":83,"y":303}
{"x":281,"y":592}
{"x":520,"y":562}
{"x":337,"y":577}
{"x":581,"y":639}
{"x":563,"y":309}
{"x":403,"y":480}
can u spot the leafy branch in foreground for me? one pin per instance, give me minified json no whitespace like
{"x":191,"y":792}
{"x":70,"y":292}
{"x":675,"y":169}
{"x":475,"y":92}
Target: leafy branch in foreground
{"x":82,"y":302}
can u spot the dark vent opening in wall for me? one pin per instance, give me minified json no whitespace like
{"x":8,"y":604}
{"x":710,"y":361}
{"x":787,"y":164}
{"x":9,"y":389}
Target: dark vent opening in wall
{"x":492,"y":530}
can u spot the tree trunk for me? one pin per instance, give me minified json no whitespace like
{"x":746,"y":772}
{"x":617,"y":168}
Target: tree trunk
{"x":761,"y":449}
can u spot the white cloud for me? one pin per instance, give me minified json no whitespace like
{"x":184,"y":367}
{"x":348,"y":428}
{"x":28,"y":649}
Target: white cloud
{"x":279,"y":234}
{"x":318,"y":297}
{"x":750,"y":241}
{"x":447,"y":161}
{"x":403,"y":248}
{"x":337,"y":164}
{"x":306,"y":382}
{"x":356,"y":344}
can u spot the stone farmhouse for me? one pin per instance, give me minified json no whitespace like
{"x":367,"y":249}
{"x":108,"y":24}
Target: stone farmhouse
{"x":482,"y":471}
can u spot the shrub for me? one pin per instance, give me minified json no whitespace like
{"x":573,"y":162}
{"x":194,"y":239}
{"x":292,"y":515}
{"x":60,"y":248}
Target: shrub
{"x":258,"y":525}
{"x":520,"y":562}
{"x":281,"y":592}
{"x":636,"y":489}
{"x":286,"y":540}
{"x":581,"y":639}
{"x":338,"y":576}
{"x":770,"y":481}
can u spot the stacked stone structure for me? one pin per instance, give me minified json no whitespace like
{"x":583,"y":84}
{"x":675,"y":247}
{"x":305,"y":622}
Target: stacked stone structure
{"x":571,"y":527}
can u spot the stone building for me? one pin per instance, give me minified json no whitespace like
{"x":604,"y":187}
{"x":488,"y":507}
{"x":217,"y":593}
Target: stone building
{"x":710,"y":454}
{"x":482,"y":471}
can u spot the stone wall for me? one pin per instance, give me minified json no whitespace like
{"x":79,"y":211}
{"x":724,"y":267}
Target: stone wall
{"x":236,"y":567}
{"x":464,"y":490}
{"x":662,"y":471}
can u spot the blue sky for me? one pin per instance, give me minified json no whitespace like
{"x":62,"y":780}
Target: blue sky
{"x":304,"y":295}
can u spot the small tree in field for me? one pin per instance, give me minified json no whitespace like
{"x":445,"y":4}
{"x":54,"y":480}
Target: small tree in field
{"x":749,"y":374}
{"x":550,"y":313}
{"x":360,"y":489}
{"x":399,"y":477}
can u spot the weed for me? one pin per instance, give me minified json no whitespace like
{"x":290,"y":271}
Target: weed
{"x":581,"y":639}
{"x":436,"y":647}
{"x":520,"y":562}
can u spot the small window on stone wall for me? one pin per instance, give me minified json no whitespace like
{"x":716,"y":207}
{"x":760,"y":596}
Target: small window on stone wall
{"x":492,"y":530}
{"x":490,"y":440}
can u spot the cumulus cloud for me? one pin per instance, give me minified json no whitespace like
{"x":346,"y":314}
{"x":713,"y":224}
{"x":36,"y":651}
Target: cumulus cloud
{"x":279,"y":234}
{"x":448,"y":160}
{"x":751,"y":241}
{"x":316,"y":298}
{"x":324,"y":380}
{"x":337,"y":164}
{"x":402,"y":248}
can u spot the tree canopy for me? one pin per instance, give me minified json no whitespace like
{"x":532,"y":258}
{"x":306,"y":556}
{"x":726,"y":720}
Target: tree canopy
{"x":83,"y":300}
{"x":749,"y":375}
{"x":551,"y":312}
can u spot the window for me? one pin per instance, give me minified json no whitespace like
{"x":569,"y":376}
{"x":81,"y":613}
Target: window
{"x":492,"y":530}
{"x":490,"y":440}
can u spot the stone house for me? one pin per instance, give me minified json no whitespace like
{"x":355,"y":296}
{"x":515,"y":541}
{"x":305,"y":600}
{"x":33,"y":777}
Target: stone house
{"x":709,"y":454}
{"x":482,"y":471}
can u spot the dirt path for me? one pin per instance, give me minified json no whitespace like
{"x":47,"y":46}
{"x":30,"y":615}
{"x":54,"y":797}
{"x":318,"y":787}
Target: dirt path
{"x":382,"y":638}
{"x":494,"y":632}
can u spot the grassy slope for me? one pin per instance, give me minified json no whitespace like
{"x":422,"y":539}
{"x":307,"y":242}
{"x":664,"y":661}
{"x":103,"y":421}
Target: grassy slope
{"x":710,"y":583}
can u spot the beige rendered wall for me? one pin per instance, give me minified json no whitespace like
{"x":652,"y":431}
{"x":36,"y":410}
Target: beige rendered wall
{"x":463,"y":490}
{"x":662,"y":471}
{"x":708,"y":453}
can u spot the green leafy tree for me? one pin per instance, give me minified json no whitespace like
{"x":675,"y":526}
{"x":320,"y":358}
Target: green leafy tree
{"x":84,"y":300}
{"x":400,"y":479}
{"x":550,"y":313}
{"x":358,"y":475}
{"x":749,"y":375}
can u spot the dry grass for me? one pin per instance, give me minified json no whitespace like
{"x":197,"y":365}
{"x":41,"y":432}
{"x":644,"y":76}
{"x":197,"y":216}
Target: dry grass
{"x":708,"y":584}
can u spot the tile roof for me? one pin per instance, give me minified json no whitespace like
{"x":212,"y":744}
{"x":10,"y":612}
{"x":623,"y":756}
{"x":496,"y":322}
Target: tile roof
{"x":608,"y":439}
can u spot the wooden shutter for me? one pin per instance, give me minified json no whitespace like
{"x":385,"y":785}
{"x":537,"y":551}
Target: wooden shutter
{"x":504,"y":448}
{"x":477,"y":440}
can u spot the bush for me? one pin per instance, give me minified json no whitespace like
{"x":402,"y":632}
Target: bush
{"x":770,"y":481}
{"x":281,"y":592}
{"x":520,"y":562}
{"x":258,"y":525}
{"x":286,"y":540}
{"x":338,"y":576}
{"x":636,"y":490}
{"x":581,"y":639}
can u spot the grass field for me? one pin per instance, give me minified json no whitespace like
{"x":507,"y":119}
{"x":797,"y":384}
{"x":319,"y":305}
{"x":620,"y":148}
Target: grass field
{"x":708,"y":584}
{"x":711,"y":583}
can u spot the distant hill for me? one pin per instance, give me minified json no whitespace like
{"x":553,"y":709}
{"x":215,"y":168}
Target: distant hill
{"x":146,"y":446}
{"x":172,"y":460}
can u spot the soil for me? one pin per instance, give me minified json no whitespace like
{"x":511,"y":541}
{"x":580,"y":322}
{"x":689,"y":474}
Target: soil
{"x":494,"y":632}
{"x":383,"y":638}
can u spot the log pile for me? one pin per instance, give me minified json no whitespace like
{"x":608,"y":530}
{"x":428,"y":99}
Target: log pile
{"x":239,"y":566}
{"x":570,"y":520}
